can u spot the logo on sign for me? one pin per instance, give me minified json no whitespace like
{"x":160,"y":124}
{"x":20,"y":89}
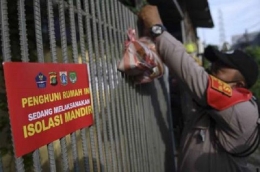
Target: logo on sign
{"x":73,"y":77}
{"x":40,"y":80}
{"x":53,"y":78}
{"x":63,"y":78}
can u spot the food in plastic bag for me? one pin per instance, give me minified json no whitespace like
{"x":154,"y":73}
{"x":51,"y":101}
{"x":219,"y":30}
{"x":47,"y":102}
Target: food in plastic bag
{"x":140,"y":59}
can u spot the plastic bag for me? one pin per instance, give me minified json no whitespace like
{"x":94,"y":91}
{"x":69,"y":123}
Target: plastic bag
{"x":140,"y":59}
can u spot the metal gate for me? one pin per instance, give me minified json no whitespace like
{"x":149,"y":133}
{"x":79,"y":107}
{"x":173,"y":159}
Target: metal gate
{"x":132,"y":124}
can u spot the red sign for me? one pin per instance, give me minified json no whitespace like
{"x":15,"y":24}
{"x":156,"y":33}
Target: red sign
{"x":46,"y":102}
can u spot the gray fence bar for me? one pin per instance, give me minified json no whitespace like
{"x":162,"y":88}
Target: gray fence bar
{"x":98,"y":156}
{"x":114,"y":141}
{"x":75,"y":59}
{"x":52,"y":38}
{"x":38,"y":30}
{"x":84,"y":60}
{"x":101,"y":74}
{"x":5,"y":31}
{"x":126,"y":113}
{"x":98,"y":85}
{"x":6,"y":53}
{"x":64,"y":155}
{"x":63,"y":32}
{"x":131,"y":130}
{"x":51,"y":31}
{"x":64,"y":49}
{"x":95,"y":133}
{"x":119,"y":84}
{"x":37,"y":161}
{"x":23,"y":32}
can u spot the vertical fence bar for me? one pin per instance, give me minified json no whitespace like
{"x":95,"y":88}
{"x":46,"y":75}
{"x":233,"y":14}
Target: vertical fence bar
{"x":100,"y":82}
{"x":120,"y":110}
{"x":170,"y":123}
{"x":23,"y":31}
{"x":140,"y":117}
{"x":156,"y":137}
{"x":83,"y":56}
{"x":7,"y":57}
{"x":136,"y":119}
{"x":85,"y":149}
{"x":51,"y":31}
{"x":135,"y":128}
{"x":151,"y":116}
{"x":94,"y":130}
{"x":74,"y":151}
{"x":122,"y":115}
{"x":5,"y":31}
{"x":63,"y":144}
{"x":132,"y":105}
{"x":75,"y":59}
{"x":64,"y":155}
{"x":125,"y":25}
{"x":126,"y":110}
{"x":149,"y":121}
{"x":54,"y":59}
{"x":118,"y":40}
{"x":39,"y":44}
{"x":81,"y":32}
{"x":114,"y":141}
{"x":126,"y":114}
{"x":147,"y":126}
{"x":140,"y":125}
{"x":115,"y":92}
{"x":143,"y":131}
{"x":95,"y":154}
{"x":116,"y":97}
{"x":107,"y":120}
{"x":38,"y":30}
{"x":73,"y":31}
{"x":143,"y":136}
{"x":148,"y":129}
{"x":51,"y":157}
{"x":37,"y":161}
{"x":152,"y":138}
{"x":63,"y":31}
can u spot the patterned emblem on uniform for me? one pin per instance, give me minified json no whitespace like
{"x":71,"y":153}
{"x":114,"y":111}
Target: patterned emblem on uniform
{"x":221,"y":86}
{"x":53,"y":78}
{"x":63,"y":78}
{"x":41,"y":80}
{"x":73,"y":77}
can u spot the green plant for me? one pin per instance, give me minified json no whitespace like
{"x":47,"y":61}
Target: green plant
{"x":254,"y":51}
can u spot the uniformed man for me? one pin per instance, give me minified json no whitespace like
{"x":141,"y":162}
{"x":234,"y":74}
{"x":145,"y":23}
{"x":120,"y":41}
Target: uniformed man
{"x":223,"y":130}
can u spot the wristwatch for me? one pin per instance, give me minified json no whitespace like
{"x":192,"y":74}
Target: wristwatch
{"x":157,"y":30}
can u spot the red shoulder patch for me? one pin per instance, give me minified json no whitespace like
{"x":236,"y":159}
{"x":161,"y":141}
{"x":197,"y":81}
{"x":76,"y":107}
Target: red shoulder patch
{"x":220,"y":95}
{"x":220,"y":86}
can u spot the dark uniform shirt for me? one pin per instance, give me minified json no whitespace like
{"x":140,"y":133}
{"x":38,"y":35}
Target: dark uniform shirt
{"x":234,"y":126}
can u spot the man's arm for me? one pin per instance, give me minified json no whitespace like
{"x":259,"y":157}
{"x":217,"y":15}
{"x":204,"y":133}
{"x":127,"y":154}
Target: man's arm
{"x":175,"y":57}
{"x":183,"y":66}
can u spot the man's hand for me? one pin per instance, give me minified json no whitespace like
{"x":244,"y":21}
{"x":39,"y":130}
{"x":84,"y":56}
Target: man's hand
{"x":150,"y":16}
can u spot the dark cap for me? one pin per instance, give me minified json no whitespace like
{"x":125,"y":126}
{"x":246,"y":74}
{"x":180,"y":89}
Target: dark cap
{"x":236,"y":59}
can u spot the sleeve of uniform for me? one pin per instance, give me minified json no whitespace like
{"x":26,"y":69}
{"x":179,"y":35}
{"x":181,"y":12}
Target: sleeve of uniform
{"x":183,"y":66}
